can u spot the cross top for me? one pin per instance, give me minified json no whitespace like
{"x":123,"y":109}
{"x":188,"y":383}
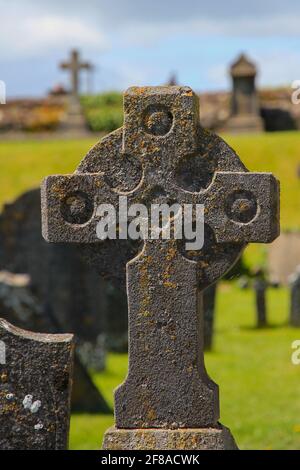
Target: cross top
{"x":163,"y":155}
{"x":74,"y":66}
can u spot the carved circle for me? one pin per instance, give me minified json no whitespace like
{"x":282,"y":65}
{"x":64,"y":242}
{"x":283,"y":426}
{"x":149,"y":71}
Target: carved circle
{"x":241,"y":206}
{"x":77,"y":208}
{"x":194,"y":173}
{"x":157,"y":120}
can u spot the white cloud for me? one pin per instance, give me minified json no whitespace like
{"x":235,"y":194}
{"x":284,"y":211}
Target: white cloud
{"x":31,"y":36}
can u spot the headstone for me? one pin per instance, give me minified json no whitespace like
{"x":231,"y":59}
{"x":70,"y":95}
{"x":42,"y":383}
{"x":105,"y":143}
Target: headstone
{"x":163,"y":155}
{"x":294,"y":281}
{"x":260,"y":286}
{"x":74,"y":66}
{"x":19,"y":306}
{"x":209,"y":301}
{"x":35,"y":389}
{"x":284,"y":257}
{"x":69,"y":292}
{"x":74,"y":121}
{"x":245,"y":113}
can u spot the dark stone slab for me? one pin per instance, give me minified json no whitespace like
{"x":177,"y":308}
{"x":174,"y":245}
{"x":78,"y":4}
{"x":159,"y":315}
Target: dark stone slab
{"x":70,"y":293}
{"x":35,"y":389}
{"x":19,"y":306}
{"x":294,"y":281}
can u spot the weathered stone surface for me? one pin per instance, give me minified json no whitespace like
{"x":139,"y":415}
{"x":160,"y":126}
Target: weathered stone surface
{"x":294,"y":281}
{"x":217,"y":438}
{"x":19,"y":306}
{"x":209,"y":300}
{"x":163,"y":155}
{"x":35,"y":389}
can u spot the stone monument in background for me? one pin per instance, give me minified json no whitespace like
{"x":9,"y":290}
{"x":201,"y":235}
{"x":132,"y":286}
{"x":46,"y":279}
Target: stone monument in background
{"x":74,"y":121}
{"x":245,"y":112}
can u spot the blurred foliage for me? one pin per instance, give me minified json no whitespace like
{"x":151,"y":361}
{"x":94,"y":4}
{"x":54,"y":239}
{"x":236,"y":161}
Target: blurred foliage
{"x":104,"y":112}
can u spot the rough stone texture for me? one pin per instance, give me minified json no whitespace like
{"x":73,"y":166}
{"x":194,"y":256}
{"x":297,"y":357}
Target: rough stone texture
{"x":209,"y":300}
{"x":163,"y":155}
{"x":35,"y":389}
{"x":294,"y":281}
{"x":19,"y":306}
{"x":217,"y":438}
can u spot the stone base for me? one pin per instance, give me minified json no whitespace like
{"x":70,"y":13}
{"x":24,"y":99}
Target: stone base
{"x":244,"y":124}
{"x":219,"y":438}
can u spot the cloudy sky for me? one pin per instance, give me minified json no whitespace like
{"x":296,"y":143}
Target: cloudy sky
{"x":144,"y":41}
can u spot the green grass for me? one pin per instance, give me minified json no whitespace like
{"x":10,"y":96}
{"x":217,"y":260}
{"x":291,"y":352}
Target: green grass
{"x":23,"y":164}
{"x":259,"y":386}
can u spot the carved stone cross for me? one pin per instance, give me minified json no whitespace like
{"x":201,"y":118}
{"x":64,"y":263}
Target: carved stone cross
{"x":74,"y":66}
{"x":163,"y":155}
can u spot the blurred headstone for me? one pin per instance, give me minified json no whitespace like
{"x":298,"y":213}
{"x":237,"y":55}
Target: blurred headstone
{"x":245,"y":113}
{"x":284,"y":257}
{"x":69,"y":292}
{"x":260,"y":286}
{"x":294,"y":281}
{"x":74,"y":121}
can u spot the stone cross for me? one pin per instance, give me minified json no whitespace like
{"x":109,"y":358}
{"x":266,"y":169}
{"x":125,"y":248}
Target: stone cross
{"x":163,"y":155}
{"x":75,"y":66}
{"x":35,"y":389}
{"x":294,"y":281}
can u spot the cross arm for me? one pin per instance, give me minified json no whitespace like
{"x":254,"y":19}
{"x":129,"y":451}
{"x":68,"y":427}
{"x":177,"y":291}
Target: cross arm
{"x":243,"y":207}
{"x":69,"y":205}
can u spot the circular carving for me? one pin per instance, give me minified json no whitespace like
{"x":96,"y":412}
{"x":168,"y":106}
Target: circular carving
{"x":241,"y":206}
{"x":158,"y":120}
{"x":195,"y":173}
{"x":77,"y":208}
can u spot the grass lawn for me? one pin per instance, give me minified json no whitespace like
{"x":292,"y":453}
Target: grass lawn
{"x":259,"y":386}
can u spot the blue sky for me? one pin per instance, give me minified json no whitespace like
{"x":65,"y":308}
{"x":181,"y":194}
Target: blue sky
{"x":139,"y":42}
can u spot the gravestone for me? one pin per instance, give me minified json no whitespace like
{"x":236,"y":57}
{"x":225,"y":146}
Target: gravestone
{"x":245,"y":113}
{"x":35,"y":389}
{"x":163,"y":155}
{"x":294,"y":281}
{"x":19,"y":306}
{"x":69,"y":292}
{"x":284,"y":257}
{"x":260,"y":286}
{"x":209,"y":301}
{"x":74,"y":120}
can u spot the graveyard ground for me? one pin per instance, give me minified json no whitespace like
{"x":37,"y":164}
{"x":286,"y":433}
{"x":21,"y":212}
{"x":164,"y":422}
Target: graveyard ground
{"x":259,"y":386}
